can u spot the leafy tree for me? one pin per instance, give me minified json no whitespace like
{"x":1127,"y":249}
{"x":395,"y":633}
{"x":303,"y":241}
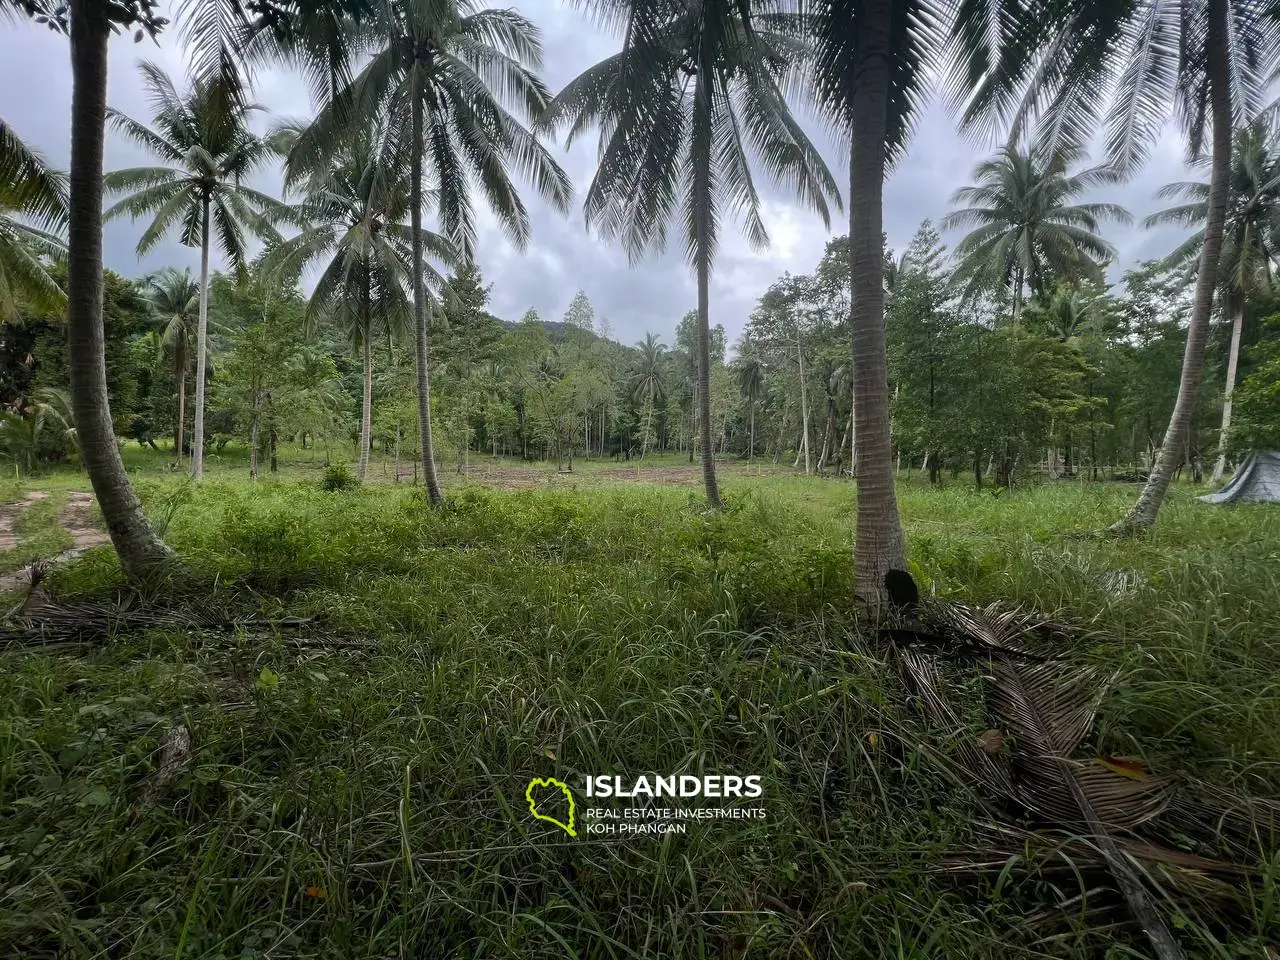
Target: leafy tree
{"x":692,"y":90}
{"x":1258,"y":397}
{"x":211,"y":150}
{"x":1026,"y":229}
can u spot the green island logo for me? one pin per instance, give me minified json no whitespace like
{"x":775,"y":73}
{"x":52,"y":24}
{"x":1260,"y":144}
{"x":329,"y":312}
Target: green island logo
{"x":533,"y":803}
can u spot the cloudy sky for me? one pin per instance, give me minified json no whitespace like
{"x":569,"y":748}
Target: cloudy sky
{"x":35,"y":97}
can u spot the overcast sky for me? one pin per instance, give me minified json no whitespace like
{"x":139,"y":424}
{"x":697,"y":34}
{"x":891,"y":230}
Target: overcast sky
{"x":35,"y":97}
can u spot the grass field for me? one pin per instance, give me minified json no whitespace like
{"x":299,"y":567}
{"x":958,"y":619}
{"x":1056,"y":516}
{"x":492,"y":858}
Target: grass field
{"x":356,"y":786}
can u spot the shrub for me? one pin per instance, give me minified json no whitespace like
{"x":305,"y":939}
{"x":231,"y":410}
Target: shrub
{"x":338,"y":476}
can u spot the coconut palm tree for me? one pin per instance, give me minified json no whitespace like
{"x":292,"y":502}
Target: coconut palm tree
{"x":751,"y":385}
{"x":211,"y":150}
{"x":355,"y":209}
{"x":33,"y":215}
{"x":1250,"y":244}
{"x":457,"y":79}
{"x":1124,"y":66}
{"x":873,"y":60}
{"x":174,"y":297}
{"x":695,"y":88}
{"x":1067,"y":313}
{"x":647,"y":385}
{"x":1026,"y":229}
{"x":90,"y":24}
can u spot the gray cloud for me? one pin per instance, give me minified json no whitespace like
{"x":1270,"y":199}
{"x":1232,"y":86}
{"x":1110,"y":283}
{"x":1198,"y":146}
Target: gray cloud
{"x":562,"y":256}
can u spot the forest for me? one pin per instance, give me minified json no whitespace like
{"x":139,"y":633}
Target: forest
{"x":333,"y":593}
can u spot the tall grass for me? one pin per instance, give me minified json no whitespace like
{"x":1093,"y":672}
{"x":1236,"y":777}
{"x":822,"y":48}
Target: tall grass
{"x":357,"y":790}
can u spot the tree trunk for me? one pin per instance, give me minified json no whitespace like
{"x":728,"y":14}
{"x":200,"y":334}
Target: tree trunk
{"x":1143,"y":514}
{"x":1017,"y":294}
{"x":141,"y":552}
{"x":366,"y":397}
{"x":366,"y":408}
{"x":419,"y":296}
{"x":751,"y":443}
{"x":878,"y":544}
{"x":182,"y":413}
{"x":202,"y":346}
{"x":702,"y":151}
{"x":804,"y":405}
{"x":1233,"y":358}
{"x":255,"y":439}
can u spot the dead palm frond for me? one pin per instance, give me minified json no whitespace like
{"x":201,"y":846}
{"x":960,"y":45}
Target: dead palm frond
{"x":1111,"y":812}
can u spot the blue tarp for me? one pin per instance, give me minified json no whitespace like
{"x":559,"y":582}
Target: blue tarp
{"x":1257,"y":480}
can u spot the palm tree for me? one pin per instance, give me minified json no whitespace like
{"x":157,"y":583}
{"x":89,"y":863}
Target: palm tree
{"x":694,"y":88}
{"x":211,"y":151}
{"x":89,"y":25}
{"x":454,"y":73}
{"x":751,"y":386}
{"x":1066,"y":314}
{"x":1250,"y":245}
{"x":355,"y":210}
{"x":1026,"y":229}
{"x":647,"y":385}
{"x":175,"y":298}
{"x":23,"y":426}
{"x":29,"y":191}
{"x":872,"y":61}
{"x":1125,"y":65}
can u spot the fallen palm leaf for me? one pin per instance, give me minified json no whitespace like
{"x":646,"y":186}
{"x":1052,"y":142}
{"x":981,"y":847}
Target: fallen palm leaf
{"x":1046,"y":707}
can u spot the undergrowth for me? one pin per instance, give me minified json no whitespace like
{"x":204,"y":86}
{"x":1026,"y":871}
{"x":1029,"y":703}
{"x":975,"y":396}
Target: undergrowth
{"x":361,"y":795}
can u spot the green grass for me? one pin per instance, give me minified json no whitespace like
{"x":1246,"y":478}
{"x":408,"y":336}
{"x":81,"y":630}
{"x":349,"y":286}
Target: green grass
{"x":361,"y":794}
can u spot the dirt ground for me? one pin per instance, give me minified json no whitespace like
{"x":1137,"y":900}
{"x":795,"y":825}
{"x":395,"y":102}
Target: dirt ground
{"x":9,"y":514}
{"x":78,"y":517}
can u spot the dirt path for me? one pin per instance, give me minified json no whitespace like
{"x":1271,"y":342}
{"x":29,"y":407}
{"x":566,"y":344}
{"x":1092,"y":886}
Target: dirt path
{"x":11,"y":512}
{"x":78,"y":517}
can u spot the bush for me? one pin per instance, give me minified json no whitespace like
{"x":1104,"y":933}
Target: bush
{"x":338,"y":476}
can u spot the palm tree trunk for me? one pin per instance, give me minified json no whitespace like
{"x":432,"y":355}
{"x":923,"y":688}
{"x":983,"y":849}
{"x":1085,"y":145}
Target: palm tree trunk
{"x":419,"y":298}
{"x":182,"y":411}
{"x":704,"y":381}
{"x":1017,"y":294}
{"x":366,"y":408}
{"x":878,"y":544}
{"x":1237,"y":328}
{"x":141,"y":552}
{"x":1143,"y":514}
{"x":804,"y":405}
{"x":701,"y":154}
{"x":751,"y":444}
{"x":202,"y":346}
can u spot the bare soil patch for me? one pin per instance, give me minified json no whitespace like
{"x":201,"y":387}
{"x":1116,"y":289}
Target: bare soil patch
{"x":11,"y":512}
